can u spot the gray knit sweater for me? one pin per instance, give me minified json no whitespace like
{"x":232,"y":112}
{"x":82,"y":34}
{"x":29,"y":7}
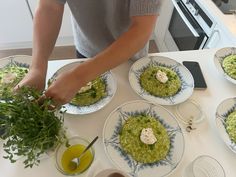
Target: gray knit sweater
{"x":97,"y":23}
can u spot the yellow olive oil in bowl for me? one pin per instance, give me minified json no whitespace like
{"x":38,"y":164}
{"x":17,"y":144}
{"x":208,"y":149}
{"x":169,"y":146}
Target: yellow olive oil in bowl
{"x":66,"y":152}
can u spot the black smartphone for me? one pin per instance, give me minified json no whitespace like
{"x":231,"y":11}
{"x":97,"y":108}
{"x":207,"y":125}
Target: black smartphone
{"x":195,"y":70}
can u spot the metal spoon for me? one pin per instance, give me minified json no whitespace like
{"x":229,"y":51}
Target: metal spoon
{"x":74,"y":163}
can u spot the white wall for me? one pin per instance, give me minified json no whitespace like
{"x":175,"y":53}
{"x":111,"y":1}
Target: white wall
{"x":16,"y":26}
{"x":65,"y":35}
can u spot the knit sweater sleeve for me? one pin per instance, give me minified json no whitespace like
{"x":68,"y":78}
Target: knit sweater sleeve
{"x":144,"y":7}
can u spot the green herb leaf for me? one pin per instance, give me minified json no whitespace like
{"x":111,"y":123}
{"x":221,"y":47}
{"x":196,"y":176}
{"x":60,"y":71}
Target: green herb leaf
{"x":30,"y":129}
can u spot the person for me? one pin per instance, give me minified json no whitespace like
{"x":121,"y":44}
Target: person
{"x":109,"y":32}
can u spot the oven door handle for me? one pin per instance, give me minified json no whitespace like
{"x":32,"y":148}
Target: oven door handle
{"x":191,"y":28}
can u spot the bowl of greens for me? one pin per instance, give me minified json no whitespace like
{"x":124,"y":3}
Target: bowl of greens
{"x":225,"y":62}
{"x":12,"y":70}
{"x":226,"y":122}
{"x":143,"y":139}
{"x":29,"y":129}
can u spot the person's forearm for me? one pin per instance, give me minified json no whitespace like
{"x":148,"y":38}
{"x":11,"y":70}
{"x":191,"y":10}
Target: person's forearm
{"x":47,"y":24}
{"x":121,"y":50}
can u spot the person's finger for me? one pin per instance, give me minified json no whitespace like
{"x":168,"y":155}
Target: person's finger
{"x":41,"y":99}
{"x":54,"y":104}
{"x":16,"y":88}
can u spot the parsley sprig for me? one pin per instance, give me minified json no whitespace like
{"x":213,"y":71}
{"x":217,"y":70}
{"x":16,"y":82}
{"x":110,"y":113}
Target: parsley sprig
{"x":30,"y":129}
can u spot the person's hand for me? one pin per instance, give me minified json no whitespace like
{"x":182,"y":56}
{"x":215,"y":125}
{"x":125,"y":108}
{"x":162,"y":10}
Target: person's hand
{"x":63,"y":88}
{"x":34,"y":78}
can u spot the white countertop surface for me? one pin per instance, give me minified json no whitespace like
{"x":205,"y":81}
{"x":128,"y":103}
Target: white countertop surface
{"x":204,"y":140}
{"x":227,"y":22}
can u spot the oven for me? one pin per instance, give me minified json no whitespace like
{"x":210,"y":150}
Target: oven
{"x":189,"y":27}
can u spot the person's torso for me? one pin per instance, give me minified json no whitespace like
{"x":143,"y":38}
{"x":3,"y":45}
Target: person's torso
{"x":97,"y":23}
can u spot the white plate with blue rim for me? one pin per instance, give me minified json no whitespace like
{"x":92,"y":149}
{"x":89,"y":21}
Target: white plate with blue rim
{"x":124,"y":161}
{"x":19,"y":61}
{"x":226,"y":69}
{"x":227,"y":128}
{"x":110,"y":90}
{"x":186,"y":80}
{"x":12,"y":70}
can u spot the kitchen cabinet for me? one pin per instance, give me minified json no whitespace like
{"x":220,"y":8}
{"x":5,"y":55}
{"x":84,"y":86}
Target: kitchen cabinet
{"x":17,"y":26}
{"x":161,"y":30}
{"x":184,"y":25}
{"x":219,"y":38}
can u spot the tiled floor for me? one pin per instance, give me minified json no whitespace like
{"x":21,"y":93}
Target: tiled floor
{"x":60,"y":52}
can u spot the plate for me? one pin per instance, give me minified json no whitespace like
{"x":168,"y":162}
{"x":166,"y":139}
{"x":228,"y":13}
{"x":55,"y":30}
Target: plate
{"x":110,"y":90}
{"x":226,"y":107}
{"x":16,"y":60}
{"x":218,"y":60}
{"x":9,"y":80}
{"x":19,"y":60}
{"x":187,"y":82}
{"x":125,"y":162}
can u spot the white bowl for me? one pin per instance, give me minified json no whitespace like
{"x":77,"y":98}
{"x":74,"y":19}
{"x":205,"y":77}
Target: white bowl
{"x":218,"y":59}
{"x":223,"y":110}
{"x":187,"y":82}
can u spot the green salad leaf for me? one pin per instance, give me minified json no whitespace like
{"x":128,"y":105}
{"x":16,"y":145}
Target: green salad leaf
{"x":30,"y":128}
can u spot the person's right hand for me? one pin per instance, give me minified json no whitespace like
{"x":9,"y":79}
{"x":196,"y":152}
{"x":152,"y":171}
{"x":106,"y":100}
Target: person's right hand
{"x":34,"y":78}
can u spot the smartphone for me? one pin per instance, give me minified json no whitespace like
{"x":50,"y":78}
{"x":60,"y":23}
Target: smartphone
{"x":195,"y":70}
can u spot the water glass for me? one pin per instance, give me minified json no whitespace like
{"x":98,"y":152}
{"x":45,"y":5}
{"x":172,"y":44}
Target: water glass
{"x":204,"y":166}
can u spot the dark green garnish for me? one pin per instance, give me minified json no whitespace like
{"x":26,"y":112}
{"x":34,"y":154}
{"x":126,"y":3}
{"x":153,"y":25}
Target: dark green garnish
{"x":30,"y":129}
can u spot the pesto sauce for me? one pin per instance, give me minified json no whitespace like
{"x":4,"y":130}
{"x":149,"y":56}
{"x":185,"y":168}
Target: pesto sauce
{"x":149,"y":82}
{"x":229,"y":65}
{"x":20,"y":73}
{"x":231,"y":126}
{"x":91,"y":96}
{"x":131,"y":143}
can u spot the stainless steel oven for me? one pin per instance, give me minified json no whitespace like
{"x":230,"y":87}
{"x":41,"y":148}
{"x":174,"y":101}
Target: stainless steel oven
{"x":189,"y":27}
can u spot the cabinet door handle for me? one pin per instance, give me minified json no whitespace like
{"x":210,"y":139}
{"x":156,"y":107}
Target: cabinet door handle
{"x":214,"y":39}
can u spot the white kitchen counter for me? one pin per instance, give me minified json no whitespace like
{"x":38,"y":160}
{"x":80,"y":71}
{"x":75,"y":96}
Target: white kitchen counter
{"x":204,"y":140}
{"x":226,"y":22}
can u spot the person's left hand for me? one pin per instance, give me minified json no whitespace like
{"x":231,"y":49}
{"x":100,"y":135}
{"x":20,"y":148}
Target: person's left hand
{"x":64,"y":88}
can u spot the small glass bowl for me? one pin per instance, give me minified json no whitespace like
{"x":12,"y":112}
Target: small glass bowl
{"x":71,"y":149}
{"x":189,"y":112}
{"x":204,"y":166}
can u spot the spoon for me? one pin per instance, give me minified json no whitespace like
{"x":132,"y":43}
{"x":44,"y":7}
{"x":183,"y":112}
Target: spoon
{"x":74,"y":163}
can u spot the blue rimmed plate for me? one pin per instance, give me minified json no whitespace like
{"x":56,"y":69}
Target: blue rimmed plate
{"x":18,"y":60}
{"x":220,"y":55}
{"x":14,"y":60}
{"x":6,"y":65}
{"x":125,"y":162}
{"x":187,"y":82}
{"x":111,"y":87}
{"x":223,"y":110}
